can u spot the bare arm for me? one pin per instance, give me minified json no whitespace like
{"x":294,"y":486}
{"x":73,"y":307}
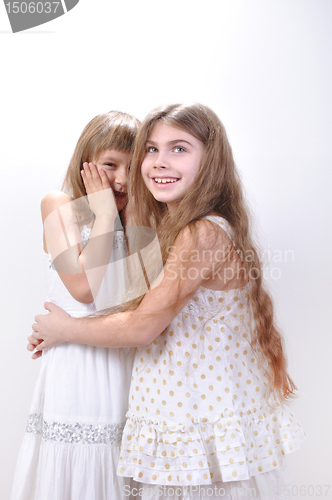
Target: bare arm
{"x":80,"y":268}
{"x":159,"y":306}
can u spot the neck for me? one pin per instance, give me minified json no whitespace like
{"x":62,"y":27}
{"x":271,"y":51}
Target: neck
{"x":171,"y":208}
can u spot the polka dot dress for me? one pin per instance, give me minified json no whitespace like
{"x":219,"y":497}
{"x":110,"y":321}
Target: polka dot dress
{"x":198,"y":406}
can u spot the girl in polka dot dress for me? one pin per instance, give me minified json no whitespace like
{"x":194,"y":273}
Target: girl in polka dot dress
{"x":207,"y":413}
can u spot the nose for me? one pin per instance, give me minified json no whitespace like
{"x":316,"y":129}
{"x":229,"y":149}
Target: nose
{"x":161,"y":161}
{"x":121,"y":179}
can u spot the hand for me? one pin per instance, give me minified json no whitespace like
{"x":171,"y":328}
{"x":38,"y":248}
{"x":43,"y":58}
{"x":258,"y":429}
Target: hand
{"x":32,"y":346}
{"x":49,"y":329}
{"x":99,"y":191}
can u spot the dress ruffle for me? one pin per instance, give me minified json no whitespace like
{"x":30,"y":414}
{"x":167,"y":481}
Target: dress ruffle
{"x":232,"y":446}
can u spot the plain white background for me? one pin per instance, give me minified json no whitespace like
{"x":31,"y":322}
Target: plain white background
{"x":265,"y":68}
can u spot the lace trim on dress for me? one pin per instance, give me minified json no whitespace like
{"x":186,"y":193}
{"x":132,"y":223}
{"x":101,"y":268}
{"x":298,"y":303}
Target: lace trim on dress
{"x":119,"y":240}
{"x":85,"y":234}
{"x":78,"y":433}
{"x":119,"y":237}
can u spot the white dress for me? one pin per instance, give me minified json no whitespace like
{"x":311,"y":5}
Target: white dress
{"x":199,"y":414}
{"x":71,"y":445}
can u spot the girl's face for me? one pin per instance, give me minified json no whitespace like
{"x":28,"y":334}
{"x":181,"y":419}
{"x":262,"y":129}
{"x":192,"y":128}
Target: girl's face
{"x":115,"y":164}
{"x":171,"y":164}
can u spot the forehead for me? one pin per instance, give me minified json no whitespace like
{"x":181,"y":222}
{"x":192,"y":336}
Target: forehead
{"x":164,"y":132}
{"x":113,"y":154}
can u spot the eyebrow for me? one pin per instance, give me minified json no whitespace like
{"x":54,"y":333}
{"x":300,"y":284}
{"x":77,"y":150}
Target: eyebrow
{"x":170,"y":142}
{"x":108,"y":158}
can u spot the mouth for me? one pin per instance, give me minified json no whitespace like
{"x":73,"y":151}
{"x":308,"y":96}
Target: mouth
{"x":165,"y":180}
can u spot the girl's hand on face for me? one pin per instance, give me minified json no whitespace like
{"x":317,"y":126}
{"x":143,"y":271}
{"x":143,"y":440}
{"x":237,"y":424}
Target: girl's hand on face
{"x":94,"y":180}
{"x":49,"y":329}
{"x":99,"y":191}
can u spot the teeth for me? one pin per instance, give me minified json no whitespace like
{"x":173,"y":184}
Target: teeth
{"x":164,"y":181}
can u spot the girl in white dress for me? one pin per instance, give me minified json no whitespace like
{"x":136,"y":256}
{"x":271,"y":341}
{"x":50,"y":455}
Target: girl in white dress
{"x":71,"y":446}
{"x":207,"y":413}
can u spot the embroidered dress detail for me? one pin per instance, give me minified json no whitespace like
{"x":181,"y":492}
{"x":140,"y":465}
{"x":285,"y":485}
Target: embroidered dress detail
{"x":110,"y":434}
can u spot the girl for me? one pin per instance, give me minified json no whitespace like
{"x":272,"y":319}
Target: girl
{"x":72,"y":441}
{"x":206,"y":412}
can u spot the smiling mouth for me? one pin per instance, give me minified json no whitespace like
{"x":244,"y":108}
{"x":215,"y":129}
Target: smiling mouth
{"x":165,"y":180}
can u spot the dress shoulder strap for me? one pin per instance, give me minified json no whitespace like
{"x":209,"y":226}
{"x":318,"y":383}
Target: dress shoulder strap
{"x":223,"y":224}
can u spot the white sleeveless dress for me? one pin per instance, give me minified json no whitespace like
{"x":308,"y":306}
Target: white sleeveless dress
{"x":71,"y":446}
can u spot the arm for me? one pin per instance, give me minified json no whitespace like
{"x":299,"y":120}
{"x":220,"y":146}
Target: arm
{"x":159,"y":306}
{"x":80,"y":268}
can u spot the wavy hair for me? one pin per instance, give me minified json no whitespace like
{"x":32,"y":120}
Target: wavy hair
{"x":217,"y":189}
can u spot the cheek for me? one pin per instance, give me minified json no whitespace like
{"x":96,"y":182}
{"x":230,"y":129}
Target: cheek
{"x":144,"y":169}
{"x":191,"y":171}
{"x":196,"y":169}
{"x":110,"y":177}
{"x":147,"y":183}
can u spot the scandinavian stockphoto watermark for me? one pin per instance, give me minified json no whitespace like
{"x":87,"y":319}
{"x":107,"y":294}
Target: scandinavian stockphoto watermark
{"x":27,"y":14}
{"x":220,"y":264}
{"x":68,"y":229}
{"x":217,"y":491}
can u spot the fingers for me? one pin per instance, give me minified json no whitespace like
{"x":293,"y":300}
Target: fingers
{"x":104,"y":179}
{"x":49,"y":306}
{"x":92,"y":178}
{"x":35,"y":336}
{"x":86,"y":176}
{"x":41,"y":346}
{"x":95,"y":174}
{"x":33,"y":341}
{"x":32,"y":345}
{"x":37,"y":355}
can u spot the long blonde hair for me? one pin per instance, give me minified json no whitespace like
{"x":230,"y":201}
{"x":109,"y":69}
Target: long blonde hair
{"x":216,"y":189}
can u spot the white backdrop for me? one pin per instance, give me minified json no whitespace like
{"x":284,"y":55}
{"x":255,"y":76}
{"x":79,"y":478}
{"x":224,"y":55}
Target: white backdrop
{"x":265,"y":68}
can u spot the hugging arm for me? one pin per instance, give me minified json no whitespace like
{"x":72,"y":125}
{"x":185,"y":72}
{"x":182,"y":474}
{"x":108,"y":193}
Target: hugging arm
{"x":160,"y":305}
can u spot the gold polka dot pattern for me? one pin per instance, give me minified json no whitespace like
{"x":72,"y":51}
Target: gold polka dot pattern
{"x":206,"y":415}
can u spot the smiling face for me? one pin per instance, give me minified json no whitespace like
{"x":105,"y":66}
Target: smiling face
{"x":171,"y":163}
{"x":115,"y":164}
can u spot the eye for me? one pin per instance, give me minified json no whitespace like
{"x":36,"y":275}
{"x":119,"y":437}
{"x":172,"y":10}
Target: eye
{"x":151,"y":149}
{"x":111,"y":165}
{"x":179,"y":149}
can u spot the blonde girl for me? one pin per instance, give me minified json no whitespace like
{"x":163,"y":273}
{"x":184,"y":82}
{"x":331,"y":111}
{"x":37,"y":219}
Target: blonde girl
{"x":72,"y":441}
{"x":207,"y":410}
